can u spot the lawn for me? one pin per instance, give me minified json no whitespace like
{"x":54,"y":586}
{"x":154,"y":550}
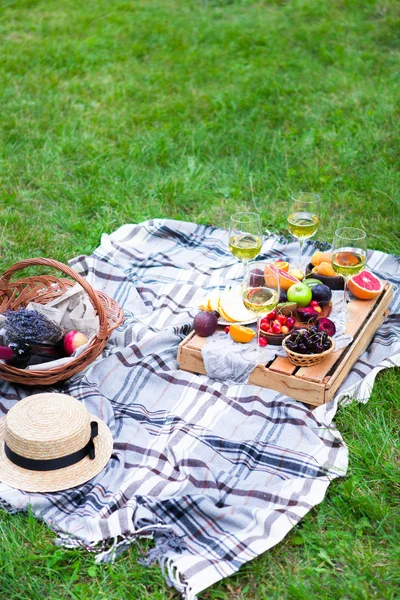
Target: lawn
{"x":115,"y":112}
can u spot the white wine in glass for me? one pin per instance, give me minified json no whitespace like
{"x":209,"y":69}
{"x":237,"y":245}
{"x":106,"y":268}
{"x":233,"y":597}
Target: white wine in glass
{"x":349,"y":255}
{"x":303,"y":219}
{"x":260,"y":289}
{"x":245,"y":238}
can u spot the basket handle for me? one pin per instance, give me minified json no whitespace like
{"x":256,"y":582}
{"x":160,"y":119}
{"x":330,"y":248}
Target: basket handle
{"x":49,"y":262}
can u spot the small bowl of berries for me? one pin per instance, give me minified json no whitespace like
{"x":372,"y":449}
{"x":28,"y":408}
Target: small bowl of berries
{"x":276,"y":326}
{"x":308,"y":347}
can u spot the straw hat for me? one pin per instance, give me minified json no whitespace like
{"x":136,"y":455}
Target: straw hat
{"x":50,"y":442}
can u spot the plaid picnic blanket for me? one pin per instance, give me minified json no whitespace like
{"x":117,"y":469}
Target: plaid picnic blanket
{"x":216,"y":474}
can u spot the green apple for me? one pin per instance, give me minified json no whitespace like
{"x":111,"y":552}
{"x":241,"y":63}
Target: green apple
{"x":300,"y":293}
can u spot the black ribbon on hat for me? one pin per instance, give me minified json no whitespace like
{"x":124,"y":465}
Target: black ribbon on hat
{"x":52,"y":464}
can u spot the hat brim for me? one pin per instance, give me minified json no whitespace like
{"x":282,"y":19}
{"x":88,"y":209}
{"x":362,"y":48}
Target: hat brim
{"x":60,"y":479}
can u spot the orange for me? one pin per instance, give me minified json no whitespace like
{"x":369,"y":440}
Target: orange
{"x":324,"y":268}
{"x":283,"y":265}
{"x":365,"y":285}
{"x":241,"y":334}
{"x":285,"y":279}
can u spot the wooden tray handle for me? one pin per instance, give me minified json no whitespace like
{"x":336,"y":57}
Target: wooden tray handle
{"x":49,"y":262}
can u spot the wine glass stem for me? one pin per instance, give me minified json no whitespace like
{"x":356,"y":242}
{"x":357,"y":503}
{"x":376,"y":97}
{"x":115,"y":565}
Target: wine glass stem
{"x":345,"y":299}
{"x":258,"y":337}
{"x":244,"y":261}
{"x":300,"y":251}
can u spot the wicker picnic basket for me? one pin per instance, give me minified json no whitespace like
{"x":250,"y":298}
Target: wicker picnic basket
{"x":43,"y":289}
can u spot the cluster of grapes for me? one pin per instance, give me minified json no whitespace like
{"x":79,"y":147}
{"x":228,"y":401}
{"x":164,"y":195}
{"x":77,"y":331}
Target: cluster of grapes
{"x":308,"y":341}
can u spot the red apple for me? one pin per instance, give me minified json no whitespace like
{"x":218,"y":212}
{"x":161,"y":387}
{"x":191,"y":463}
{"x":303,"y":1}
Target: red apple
{"x":72,"y":340}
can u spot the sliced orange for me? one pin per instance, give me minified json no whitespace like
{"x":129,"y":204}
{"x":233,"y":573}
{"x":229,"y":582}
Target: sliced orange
{"x":365,"y":285}
{"x":283,"y":265}
{"x":241,"y":334}
{"x":285,"y":279}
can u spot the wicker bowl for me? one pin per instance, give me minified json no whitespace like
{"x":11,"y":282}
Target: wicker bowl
{"x":43,"y":289}
{"x":307,"y":360}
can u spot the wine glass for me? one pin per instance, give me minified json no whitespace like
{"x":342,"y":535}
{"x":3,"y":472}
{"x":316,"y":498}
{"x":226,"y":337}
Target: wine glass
{"x":349,"y":254}
{"x":245,"y":237}
{"x":303,"y":219}
{"x":260,"y":289}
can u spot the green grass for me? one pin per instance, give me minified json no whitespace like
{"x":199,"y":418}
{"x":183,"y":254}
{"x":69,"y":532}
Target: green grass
{"x":115,"y":112}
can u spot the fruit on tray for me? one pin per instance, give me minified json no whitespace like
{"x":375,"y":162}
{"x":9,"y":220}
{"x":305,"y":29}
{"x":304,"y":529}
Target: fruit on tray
{"x":228,"y":303}
{"x":299,"y":293}
{"x":326,"y":325}
{"x":365,"y":285}
{"x":257,"y":278}
{"x":297,"y":273}
{"x":324,"y":268}
{"x":308,"y":341}
{"x":73,"y":340}
{"x":231,"y":307}
{"x":307,"y":314}
{"x":285,"y":279}
{"x":276,"y":323}
{"x":311,"y":281}
{"x":286,"y":308}
{"x":321,"y":293}
{"x":318,"y":257}
{"x":211,"y":301}
{"x":241,"y":334}
{"x":205,"y":323}
{"x":282,"y":296}
{"x":283,"y":265}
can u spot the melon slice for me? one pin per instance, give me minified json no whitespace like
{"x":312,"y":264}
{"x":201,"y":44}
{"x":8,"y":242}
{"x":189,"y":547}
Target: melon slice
{"x":231,"y":305}
{"x":213,"y":299}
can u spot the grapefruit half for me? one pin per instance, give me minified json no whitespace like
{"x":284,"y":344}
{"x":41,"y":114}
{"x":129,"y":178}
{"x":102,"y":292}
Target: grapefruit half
{"x":365,"y":285}
{"x":285,"y":279}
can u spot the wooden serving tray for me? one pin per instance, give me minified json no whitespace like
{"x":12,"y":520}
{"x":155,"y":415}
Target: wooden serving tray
{"x":312,"y":385}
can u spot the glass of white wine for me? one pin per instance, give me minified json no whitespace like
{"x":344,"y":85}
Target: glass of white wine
{"x":260,"y":289}
{"x":245,"y":237}
{"x":349,"y":255}
{"x":303,"y":219}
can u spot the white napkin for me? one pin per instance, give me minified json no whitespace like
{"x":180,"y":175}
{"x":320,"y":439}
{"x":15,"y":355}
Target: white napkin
{"x":231,"y":362}
{"x":338,"y":316}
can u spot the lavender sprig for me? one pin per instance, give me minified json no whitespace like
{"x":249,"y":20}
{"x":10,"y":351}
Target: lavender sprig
{"x":31,"y":326}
